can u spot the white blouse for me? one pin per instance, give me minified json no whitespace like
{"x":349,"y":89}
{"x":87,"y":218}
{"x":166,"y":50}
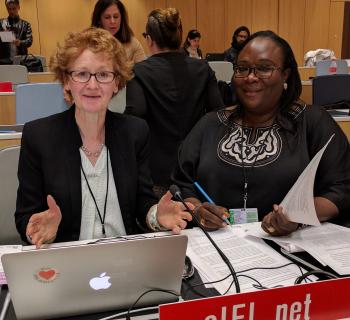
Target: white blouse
{"x":91,"y":227}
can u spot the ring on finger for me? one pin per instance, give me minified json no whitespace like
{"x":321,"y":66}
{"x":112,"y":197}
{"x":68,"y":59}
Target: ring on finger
{"x":271,"y":229}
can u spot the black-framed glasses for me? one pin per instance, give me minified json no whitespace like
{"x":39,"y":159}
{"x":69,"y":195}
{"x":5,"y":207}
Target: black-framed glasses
{"x":85,"y":76}
{"x":261,"y":72}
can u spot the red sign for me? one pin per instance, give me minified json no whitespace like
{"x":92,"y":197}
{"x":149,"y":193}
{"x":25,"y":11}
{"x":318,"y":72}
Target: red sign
{"x":315,"y":301}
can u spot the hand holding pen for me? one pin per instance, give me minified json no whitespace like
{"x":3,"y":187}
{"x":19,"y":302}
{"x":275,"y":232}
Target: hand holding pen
{"x":211,"y":216}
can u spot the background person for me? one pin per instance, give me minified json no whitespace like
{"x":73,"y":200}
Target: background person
{"x":21,"y":29}
{"x":84,"y":173}
{"x":240,"y":35}
{"x":250,"y":155}
{"x":191,"y":45}
{"x":170,"y":91}
{"x":112,"y":16}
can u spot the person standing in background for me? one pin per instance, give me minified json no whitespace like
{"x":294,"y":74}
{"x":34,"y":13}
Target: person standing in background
{"x":240,"y":35}
{"x":21,"y":29}
{"x":111,"y":15}
{"x":191,"y":45}
{"x":171,"y":91}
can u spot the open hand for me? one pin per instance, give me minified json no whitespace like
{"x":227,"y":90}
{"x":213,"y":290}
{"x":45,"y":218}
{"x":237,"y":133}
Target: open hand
{"x":42,"y":227}
{"x":172,"y":215}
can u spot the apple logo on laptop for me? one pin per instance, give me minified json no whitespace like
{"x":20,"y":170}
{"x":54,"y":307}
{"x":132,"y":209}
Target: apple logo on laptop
{"x":100,"y":282}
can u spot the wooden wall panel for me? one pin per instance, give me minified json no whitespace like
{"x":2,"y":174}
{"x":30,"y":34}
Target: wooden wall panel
{"x":56,"y":20}
{"x":188,"y":14}
{"x":238,"y":13}
{"x":264,"y":15}
{"x":335,"y":31}
{"x":316,"y":24}
{"x":291,"y":25}
{"x":211,"y":23}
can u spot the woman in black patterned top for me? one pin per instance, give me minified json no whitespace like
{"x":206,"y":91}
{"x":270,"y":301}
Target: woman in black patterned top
{"x":251,"y":154}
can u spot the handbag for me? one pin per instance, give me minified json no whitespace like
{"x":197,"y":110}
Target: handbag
{"x":32,"y":63}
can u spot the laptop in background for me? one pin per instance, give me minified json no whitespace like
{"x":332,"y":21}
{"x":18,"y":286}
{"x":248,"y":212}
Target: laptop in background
{"x":75,"y":280}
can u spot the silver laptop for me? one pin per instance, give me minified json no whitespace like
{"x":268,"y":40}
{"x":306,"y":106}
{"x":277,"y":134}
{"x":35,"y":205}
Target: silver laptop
{"x":74,"y":280}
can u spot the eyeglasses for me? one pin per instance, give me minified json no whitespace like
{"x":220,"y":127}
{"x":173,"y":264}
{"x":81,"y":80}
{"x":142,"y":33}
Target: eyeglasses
{"x":144,"y":34}
{"x":85,"y":76}
{"x":261,"y":72}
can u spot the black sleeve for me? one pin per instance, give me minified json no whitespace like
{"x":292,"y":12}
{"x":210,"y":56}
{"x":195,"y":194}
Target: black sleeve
{"x":136,"y":103}
{"x":213,"y":98}
{"x":333,"y":174}
{"x":145,"y":196}
{"x":185,"y":173}
{"x":31,"y":197}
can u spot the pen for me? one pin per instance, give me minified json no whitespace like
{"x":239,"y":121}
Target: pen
{"x":206,"y":196}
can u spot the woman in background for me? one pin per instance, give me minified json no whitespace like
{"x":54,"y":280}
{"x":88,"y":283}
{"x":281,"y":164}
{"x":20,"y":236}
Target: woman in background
{"x":111,"y":15}
{"x":191,"y":45}
{"x":170,"y":91}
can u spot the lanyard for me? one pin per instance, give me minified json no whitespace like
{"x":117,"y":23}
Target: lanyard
{"x":245,"y":173}
{"x":102,"y":219}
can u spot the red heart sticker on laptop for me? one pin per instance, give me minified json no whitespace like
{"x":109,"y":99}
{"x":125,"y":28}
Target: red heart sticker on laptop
{"x":46,"y":275}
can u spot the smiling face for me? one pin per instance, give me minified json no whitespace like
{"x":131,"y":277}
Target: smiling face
{"x":261,"y":96}
{"x":111,"y":19}
{"x":92,"y":96}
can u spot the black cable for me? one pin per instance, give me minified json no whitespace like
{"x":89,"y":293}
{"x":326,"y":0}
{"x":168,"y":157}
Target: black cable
{"x":127,"y":316}
{"x":315,"y":272}
{"x":175,"y":191}
{"x":238,"y":273}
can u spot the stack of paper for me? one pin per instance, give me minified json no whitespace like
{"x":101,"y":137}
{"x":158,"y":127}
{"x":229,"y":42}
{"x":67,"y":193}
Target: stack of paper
{"x":244,"y":252}
{"x":328,"y":243}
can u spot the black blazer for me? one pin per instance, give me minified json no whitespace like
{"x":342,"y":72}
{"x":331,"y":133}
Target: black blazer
{"x":50,"y":161}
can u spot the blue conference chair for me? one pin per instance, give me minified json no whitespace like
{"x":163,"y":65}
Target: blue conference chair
{"x":8,"y":186}
{"x":38,"y":100}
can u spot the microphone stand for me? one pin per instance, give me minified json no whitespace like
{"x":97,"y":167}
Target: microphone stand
{"x":175,"y":191}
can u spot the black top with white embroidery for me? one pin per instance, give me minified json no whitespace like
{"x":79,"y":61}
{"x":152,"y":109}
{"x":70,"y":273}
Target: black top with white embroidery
{"x":273,"y":160}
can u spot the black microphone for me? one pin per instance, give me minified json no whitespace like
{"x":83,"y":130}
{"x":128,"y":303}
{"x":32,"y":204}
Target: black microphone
{"x":176,"y":192}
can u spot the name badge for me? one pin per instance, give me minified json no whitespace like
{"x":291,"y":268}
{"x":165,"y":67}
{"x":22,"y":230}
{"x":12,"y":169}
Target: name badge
{"x":239,"y":216}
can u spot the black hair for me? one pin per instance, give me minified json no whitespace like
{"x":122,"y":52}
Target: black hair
{"x":192,"y":34}
{"x":234,"y":42}
{"x":16,"y":2}
{"x":165,"y":28}
{"x":125,"y":32}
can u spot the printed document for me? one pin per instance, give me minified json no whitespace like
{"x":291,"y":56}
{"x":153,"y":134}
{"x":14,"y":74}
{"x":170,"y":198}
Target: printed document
{"x":244,"y":252}
{"x":328,"y":243}
{"x":7,"y":36}
{"x":298,"y":205}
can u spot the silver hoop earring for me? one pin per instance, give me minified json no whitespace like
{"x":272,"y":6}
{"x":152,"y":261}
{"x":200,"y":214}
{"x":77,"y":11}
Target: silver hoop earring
{"x":285,"y":85}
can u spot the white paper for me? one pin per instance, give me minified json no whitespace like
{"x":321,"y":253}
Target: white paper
{"x":327,"y":243}
{"x":244,"y":252}
{"x":7,"y":36}
{"x":298,"y":205}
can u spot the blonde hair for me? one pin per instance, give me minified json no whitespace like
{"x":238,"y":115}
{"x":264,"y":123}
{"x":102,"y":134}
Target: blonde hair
{"x":98,"y":41}
{"x":165,"y":28}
